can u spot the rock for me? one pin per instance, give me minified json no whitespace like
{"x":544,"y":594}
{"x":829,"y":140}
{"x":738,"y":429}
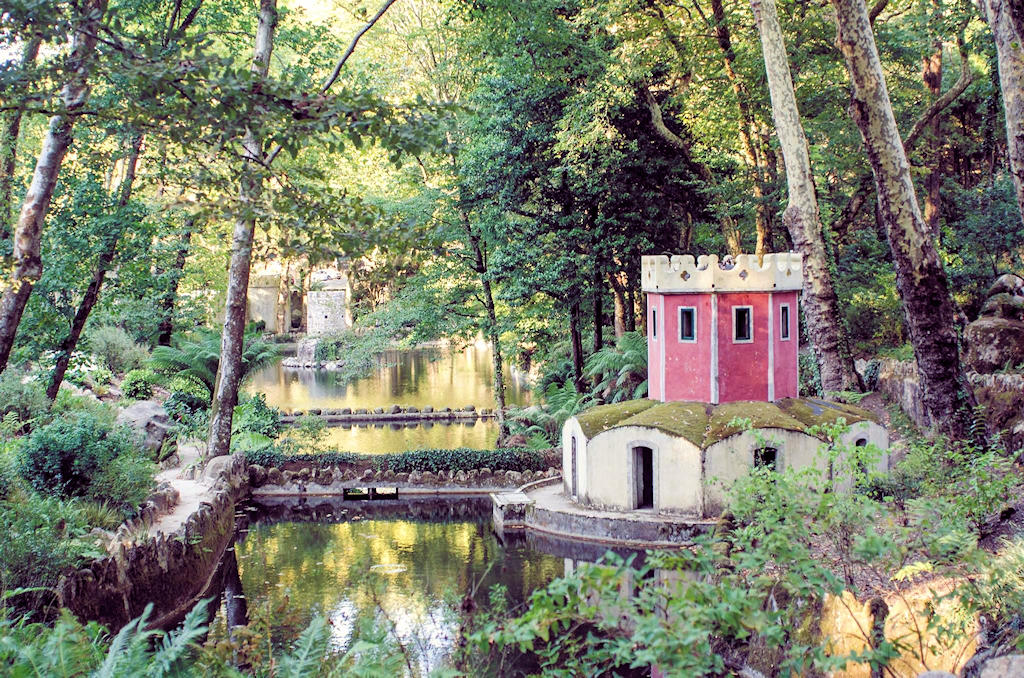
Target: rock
{"x":447,"y":410}
{"x":388,"y":474}
{"x":394,"y":409}
{"x":485,"y":411}
{"x":304,"y":475}
{"x":472,"y":476}
{"x":361,"y":410}
{"x":514,"y":478}
{"x":412,"y":410}
{"x":1007,"y":666}
{"x":428,"y":410}
{"x":485,"y":472}
{"x":1008,"y":283}
{"x":937,"y":674}
{"x":367,"y":474}
{"x":469,"y":408}
{"x":323,"y":477}
{"x":378,"y":410}
{"x":527,"y":476}
{"x":274,"y":476}
{"x":460,"y":477}
{"x":316,"y":411}
{"x":257,"y":475}
{"x":150,"y":421}
{"x":348,"y":475}
{"x":402,"y":477}
{"x":346,"y":410}
{"x":217,"y":467}
{"x":1003,"y":306}
{"x":415,"y":478}
{"x":428,"y":478}
{"x":993,"y":343}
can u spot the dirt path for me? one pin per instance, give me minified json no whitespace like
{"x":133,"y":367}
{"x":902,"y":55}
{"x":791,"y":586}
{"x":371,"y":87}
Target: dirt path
{"x":191,"y":492}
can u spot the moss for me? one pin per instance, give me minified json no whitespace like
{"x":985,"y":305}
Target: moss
{"x":760,"y":414}
{"x":812,"y":411}
{"x":604,"y":417}
{"x":688,"y":420}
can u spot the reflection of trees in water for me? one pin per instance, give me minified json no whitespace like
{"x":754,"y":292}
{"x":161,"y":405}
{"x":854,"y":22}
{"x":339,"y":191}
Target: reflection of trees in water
{"x":413,"y":573}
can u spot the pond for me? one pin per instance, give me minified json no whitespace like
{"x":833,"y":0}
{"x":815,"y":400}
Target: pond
{"x":417,"y":377}
{"x":406,"y":564}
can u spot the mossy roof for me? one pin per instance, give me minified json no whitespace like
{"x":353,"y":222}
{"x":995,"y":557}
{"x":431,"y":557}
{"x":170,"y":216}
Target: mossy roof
{"x":704,"y":425}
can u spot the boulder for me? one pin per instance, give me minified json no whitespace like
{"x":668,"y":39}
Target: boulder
{"x":470,"y":408}
{"x":394,"y":409}
{"x":412,"y":410}
{"x":274,"y":476}
{"x":150,"y":421}
{"x":428,"y":410}
{"x":257,"y":475}
{"x":1007,"y":666}
{"x":346,"y":410}
{"x":993,"y":343}
{"x":1003,"y":305}
{"x":378,"y":410}
{"x":1008,"y":283}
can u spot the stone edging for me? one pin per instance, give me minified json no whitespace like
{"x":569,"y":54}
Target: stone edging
{"x":392,"y":414}
{"x":170,"y":570}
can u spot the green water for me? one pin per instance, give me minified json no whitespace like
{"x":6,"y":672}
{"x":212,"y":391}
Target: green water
{"x":420,"y":378}
{"x":410,"y":573}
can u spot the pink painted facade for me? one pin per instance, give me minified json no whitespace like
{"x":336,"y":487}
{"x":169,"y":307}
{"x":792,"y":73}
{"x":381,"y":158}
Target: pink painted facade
{"x":744,"y":340}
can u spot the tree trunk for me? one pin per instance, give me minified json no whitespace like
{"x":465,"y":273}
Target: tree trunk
{"x":931,"y":73}
{"x":92,"y":292}
{"x":9,"y":143}
{"x":820,"y":304}
{"x":493,"y":335}
{"x":229,"y":371}
{"x":619,"y":296}
{"x":576,"y":344}
{"x":1010,"y":54}
{"x":920,"y":277}
{"x":170,"y":297}
{"x":28,"y":263}
{"x":598,"y":286}
{"x":284,"y":300}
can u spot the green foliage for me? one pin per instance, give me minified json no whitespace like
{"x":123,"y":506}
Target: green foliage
{"x":138,"y":384}
{"x":544,"y":424}
{"x":620,"y":370}
{"x":195,"y":357}
{"x":42,"y":537}
{"x":117,"y":349}
{"x":253,"y":415}
{"x":64,"y":458}
{"x":22,"y":397}
{"x":450,"y":461}
{"x":124,"y":483}
{"x":809,"y":375}
{"x":269,"y":456}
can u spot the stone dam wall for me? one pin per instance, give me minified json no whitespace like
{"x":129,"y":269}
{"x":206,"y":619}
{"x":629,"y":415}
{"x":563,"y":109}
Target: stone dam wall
{"x":392,"y":414}
{"x":171,"y":570}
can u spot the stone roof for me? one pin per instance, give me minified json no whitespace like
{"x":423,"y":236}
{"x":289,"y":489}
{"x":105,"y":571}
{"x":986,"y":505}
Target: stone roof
{"x":742,"y":273}
{"x":704,"y":425}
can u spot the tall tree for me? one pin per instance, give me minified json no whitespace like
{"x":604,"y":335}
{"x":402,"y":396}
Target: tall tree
{"x":920,"y":277}
{"x":229,"y":373}
{"x":821,"y":307}
{"x":28,"y":263}
{"x":9,"y":140}
{"x":1010,"y":54}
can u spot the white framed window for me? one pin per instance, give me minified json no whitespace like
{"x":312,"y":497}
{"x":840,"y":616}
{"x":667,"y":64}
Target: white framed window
{"x":654,"y":323}
{"x":742,"y":324}
{"x":784,"y":322}
{"x":688,"y":324}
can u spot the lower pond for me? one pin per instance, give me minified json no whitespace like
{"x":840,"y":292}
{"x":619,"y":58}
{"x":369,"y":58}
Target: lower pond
{"x":407,"y":565}
{"x":420,"y":377}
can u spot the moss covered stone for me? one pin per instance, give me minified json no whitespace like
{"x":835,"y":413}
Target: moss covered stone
{"x":704,"y":425}
{"x":688,"y":420}
{"x":604,"y":417}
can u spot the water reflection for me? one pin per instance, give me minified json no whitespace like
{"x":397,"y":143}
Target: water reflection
{"x":418,"y":377}
{"x":407,"y":564}
{"x":382,"y":438}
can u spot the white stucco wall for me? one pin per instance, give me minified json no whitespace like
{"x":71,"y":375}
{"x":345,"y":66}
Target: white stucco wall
{"x":570,"y":429}
{"x":263,"y":305}
{"x":327,"y":311}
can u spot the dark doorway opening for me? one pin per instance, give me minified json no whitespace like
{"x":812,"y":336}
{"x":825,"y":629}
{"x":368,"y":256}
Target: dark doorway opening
{"x":574,"y":474}
{"x":643,"y":460}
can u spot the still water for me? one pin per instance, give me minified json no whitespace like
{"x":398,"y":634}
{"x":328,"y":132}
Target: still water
{"x":406,"y":565}
{"x":418,"y":377}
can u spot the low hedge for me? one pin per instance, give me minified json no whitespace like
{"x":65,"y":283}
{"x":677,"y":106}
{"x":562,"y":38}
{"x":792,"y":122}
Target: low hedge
{"x":450,"y":461}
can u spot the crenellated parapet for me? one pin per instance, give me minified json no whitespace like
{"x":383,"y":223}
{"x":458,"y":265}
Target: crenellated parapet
{"x":706,"y":273}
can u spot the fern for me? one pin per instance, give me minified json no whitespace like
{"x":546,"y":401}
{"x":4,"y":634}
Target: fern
{"x":309,"y":652}
{"x":168,"y":658}
{"x":620,"y":370}
{"x":197,"y":356}
{"x":128,"y":651}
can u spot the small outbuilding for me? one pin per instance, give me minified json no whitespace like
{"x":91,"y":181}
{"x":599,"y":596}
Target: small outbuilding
{"x":723,"y":395}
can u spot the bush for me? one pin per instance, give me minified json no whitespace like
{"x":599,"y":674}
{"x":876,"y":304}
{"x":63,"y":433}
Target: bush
{"x":25,"y":398}
{"x":124,"y":483}
{"x":253,"y":415}
{"x":117,"y":349}
{"x":810,"y":377}
{"x":463,"y":459}
{"x":62,"y":458}
{"x":138,"y":384}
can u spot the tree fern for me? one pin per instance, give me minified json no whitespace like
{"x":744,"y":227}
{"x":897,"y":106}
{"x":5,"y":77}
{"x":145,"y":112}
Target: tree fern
{"x":620,"y":370}
{"x":197,"y":356}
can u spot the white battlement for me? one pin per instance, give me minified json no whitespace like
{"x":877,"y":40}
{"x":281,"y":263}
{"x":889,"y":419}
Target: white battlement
{"x":743,"y":273}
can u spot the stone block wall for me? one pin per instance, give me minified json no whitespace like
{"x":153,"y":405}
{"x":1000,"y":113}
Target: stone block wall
{"x":327,"y":311}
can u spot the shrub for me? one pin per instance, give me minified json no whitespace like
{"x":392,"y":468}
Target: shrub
{"x":61,"y":458}
{"x":117,"y":349}
{"x":124,"y":483}
{"x":253,"y":415}
{"x":463,"y":459}
{"x":810,"y":377}
{"x":25,"y":398}
{"x":138,"y":384}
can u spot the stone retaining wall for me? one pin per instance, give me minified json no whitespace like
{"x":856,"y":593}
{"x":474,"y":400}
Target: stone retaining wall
{"x":333,"y":481}
{"x":171,"y":571}
{"x":394,"y":413}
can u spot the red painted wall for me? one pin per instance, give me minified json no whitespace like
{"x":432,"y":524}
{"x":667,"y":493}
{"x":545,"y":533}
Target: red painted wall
{"x":742,"y":368}
{"x":688,"y":365}
{"x":786,"y":365}
{"x":654,"y":347}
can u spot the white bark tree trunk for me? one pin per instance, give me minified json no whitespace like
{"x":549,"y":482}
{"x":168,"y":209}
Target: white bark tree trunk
{"x":1010,"y":56}
{"x":229,"y":372}
{"x":28,"y":263}
{"x":920,"y":277}
{"x":820,"y":304}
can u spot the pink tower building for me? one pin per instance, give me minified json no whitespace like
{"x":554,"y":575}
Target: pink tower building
{"x":722,"y":331}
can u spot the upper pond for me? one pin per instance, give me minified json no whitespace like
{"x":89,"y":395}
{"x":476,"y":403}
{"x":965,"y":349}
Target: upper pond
{"x":418,"y":377}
